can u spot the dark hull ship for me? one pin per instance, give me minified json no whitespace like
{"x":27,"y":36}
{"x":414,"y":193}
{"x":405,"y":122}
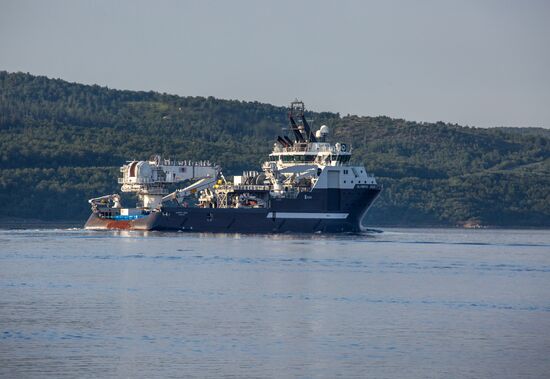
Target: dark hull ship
{"x":306,"y":186}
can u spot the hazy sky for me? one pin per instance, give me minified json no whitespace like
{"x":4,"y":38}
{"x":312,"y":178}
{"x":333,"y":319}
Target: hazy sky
{"x":482,"y":63}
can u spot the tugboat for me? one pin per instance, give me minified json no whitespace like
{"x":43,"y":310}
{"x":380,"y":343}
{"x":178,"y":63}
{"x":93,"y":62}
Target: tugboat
{"x":306,"y":186}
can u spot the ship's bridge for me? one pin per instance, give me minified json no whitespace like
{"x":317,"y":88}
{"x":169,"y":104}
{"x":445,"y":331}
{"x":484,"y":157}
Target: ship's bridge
{"x":308,"y":148}
{"x":321,"y":153}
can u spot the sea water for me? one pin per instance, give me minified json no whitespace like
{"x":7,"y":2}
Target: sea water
{"x":405,"y":303}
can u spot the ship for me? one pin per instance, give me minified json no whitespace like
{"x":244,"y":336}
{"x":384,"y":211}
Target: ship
{"x":307,"y":185}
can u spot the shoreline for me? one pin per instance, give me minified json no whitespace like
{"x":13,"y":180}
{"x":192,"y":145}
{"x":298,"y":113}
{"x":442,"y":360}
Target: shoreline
{"x":19,"y":223}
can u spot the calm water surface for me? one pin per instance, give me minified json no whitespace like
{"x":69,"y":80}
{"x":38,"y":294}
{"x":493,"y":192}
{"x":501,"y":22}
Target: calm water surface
{"x":404,"y":303}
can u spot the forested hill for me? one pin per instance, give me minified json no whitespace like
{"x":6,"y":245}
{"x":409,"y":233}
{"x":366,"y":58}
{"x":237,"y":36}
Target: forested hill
{"x":62,"y":143}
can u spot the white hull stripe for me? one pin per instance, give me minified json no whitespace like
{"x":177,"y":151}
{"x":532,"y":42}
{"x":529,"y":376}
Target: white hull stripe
{"x":333,"y":216}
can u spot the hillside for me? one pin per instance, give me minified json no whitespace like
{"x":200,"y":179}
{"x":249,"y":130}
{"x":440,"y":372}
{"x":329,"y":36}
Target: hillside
{"x":62,"y":143}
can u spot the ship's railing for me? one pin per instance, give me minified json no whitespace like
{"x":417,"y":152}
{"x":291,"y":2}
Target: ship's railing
{"x":291,"y":192}
{"x":188,"y":163}
{"x":312,"y":148}
{"x":143,"y":181}
{"x":135,"y":181}
{"x":173,"y":162}
{"x":252,"y":187}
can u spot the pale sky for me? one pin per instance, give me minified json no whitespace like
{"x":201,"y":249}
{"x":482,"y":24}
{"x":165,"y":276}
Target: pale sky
{"x":478,"y":63}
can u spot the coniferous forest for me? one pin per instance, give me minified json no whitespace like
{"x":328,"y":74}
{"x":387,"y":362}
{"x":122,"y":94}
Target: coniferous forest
{"x":62,"y":143}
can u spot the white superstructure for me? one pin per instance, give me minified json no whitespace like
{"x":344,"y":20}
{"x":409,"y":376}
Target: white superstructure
{"x":151,"y":179}
{"x":311,"y":161}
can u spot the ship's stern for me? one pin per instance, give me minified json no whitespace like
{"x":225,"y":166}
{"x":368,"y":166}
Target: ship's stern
{"x":97,"y":222}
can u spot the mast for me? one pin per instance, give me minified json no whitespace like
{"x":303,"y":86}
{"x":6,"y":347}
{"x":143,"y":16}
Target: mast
{"x":299,"y":124}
